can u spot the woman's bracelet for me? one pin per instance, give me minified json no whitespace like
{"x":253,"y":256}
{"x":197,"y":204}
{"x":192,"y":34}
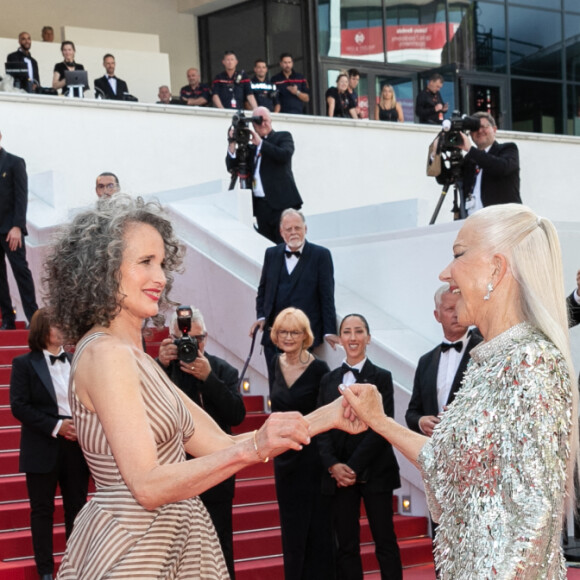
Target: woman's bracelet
{"x":262,"y":459}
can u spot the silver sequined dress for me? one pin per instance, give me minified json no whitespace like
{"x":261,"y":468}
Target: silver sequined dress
{"x":495,"y":468}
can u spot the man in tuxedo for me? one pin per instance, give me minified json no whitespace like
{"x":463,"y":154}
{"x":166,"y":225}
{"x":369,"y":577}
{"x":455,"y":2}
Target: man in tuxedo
{"x":49,"y":451}
{"x":270,"y":165}
{"x":490,"y":170}
{"x":109,"y":86}
{"x":23,"y":55}
{"x":13,"y":205}
{"x":440,"y":371}
{"x":212,"y":383}
{"x":299,"y":274}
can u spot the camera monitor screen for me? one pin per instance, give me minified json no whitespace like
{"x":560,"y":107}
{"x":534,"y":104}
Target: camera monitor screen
{"x":76,"y":78}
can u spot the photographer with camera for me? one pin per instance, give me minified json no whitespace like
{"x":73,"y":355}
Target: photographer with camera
{"x":267,"y":161}
{"x":490,"y":170}
{"x":212,"y":383}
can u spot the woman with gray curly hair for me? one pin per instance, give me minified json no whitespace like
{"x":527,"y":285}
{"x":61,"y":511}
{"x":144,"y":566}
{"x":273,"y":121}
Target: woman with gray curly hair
{"x":108,"y":271}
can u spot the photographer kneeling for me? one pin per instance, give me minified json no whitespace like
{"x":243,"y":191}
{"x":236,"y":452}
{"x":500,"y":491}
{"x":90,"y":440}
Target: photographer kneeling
{"x":212,"y":383}
{"x":269,"y":166}
{"x":490,"y":170}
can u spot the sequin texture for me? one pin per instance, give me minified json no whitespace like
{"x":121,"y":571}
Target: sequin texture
{"x":495,"y":468}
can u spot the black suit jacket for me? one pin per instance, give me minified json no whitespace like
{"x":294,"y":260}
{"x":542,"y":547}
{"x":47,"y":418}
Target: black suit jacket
{"x":312,"y":290}
{"x":424,"y":398}
{"x":500,"y":181}
{"x":33,"y":403}
{"x":368,"y":454}
{"x":275,"y":170}
{"x":573,"y":311}
{"x":19,"y":56}
{"x":103,"y":85}
{"x":13,"y":192}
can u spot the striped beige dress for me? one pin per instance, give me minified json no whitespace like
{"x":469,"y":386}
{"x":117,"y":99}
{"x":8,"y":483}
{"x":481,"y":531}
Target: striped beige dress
{"x":114,"y":536}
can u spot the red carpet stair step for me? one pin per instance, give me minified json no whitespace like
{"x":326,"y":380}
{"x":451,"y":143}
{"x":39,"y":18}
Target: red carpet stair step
{"x":257,"y":545}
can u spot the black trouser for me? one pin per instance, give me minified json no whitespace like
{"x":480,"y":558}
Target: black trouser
{"x":346,"y":515}
{"x":221,"y":516}
{"x":268,"y":220}
{"x":72,"y":475}
{"x":23,"y":278}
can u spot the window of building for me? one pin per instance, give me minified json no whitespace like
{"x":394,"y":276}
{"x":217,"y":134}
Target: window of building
{"x":536,"y":106}
{"x":535,"y":42}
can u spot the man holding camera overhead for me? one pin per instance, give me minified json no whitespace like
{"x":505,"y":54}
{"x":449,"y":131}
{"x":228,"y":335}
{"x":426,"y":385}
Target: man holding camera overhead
{"x":270,"y":167}
{"x":211,"y":383}
{"x":491,"y":171}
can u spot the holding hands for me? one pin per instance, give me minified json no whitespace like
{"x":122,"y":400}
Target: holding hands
{"x":363,"y":403}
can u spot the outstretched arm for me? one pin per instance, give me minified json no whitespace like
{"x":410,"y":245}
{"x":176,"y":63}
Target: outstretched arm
{"x":365,"y":403}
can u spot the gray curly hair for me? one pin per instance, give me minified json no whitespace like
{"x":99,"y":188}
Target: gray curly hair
{"x":82,"y":271}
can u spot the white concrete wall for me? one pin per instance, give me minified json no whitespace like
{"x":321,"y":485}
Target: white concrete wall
{"x":338,"y":164}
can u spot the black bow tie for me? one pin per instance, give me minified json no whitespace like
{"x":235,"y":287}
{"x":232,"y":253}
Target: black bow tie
{"x":61,"y":357}
{"x":346,"y":368}
{"x":288,"y":253}
{"x":458,"y":346}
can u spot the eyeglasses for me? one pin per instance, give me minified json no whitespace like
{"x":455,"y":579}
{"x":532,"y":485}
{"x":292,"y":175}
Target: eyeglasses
{"x":200,"y":337}
{"x":292,"y":333}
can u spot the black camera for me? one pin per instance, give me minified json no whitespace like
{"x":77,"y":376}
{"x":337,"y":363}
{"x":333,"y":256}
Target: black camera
{"x":241,"y":136}
{"x":451,"y":129}
{"x":240,"y":125}
{"x":187,"y":346}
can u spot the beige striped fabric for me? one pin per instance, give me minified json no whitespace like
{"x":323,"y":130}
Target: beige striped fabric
{"x":114,"y":536}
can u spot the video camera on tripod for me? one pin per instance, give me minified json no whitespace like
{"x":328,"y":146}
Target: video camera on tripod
{"x":449,"y":159}
{"x":241,"y":136}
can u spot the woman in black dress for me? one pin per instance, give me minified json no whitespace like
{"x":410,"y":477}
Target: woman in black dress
{"x":339,"y":102}
{"x":304,"y":512}
{"x":68,"y":52}
{"x":387,"y":109}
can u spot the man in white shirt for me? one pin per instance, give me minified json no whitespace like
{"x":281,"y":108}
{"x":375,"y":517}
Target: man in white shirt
{"x":440,"y":371}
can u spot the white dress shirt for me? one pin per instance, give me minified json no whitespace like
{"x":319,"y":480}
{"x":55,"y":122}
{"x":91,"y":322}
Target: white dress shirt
{"x":448,"y":365}
{"x":59,"y":374}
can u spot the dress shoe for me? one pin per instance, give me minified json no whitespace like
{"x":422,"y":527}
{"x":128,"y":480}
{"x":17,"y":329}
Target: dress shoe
{"x":46,"y":577}
{"x":8,"y":326}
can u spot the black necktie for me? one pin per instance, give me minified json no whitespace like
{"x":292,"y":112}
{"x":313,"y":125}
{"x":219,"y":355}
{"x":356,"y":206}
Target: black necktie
{"x":445,"y":346}
{"x":289,"y":253}
{"x":345,"y":369}
{"x":61,"y":357}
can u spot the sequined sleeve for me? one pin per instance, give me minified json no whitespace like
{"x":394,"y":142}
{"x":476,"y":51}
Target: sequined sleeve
{"x":428,"y":465}
{"x":534,"y":450}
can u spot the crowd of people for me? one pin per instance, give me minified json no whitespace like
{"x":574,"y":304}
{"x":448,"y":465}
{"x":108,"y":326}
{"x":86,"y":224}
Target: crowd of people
{"x":286,"y":92}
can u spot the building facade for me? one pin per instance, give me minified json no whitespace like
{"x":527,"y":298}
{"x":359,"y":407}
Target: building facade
{"x":518,"y":59}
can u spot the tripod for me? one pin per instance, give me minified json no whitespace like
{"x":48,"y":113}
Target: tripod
{"x":455,"y":178}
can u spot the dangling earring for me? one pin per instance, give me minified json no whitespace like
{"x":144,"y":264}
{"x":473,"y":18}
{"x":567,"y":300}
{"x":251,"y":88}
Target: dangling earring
{"x":489,"y":290}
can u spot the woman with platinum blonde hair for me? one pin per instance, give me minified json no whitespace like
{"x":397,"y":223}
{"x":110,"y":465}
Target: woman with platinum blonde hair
{"x":109,"y":271}
{"x":500,"y":463}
